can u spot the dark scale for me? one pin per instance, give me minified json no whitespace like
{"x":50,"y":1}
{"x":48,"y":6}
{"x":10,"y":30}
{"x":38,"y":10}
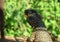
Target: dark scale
{"x":35,"y":20}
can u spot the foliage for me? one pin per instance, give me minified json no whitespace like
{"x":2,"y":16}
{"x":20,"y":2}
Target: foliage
{"x":16,"y":24}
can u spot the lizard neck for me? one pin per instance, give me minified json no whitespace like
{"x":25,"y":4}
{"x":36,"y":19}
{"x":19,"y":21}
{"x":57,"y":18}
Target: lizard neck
{"x":40,"y":29}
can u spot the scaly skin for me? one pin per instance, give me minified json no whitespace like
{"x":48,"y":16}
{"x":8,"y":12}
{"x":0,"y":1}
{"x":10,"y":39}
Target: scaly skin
{"x":40,"y":36}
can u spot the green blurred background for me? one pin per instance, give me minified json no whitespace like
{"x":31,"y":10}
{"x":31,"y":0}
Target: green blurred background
{"x":16,"y":24}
